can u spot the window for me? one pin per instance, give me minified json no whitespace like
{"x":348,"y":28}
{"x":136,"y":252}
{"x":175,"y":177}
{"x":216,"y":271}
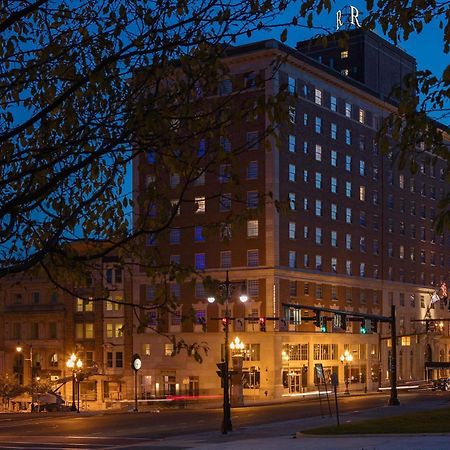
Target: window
{"x":318,"y":180}
{"x":84,"y":305}
{"x":334,"y":238}
{"x":200,"y":205}
{"x":318,"y":208}
{"x":200,"y":261}
{"x":114,"y":330}
{"x":252,"y":139}
{"x":348,"y":137}
{"x":362,"y":115}
{"x":348,"y":109}
{"x":348,"y":163}
{"x":292,"y":114}
{"x":348,"y":268}
{"x":292,"y":174}
{"x":225,"y":202}
{"x":305,"y":119}
{"x":318,"y":96}
{"x":225,"y":259}
{"x":252,"y":228}
{"x":333,"y":131}
{"x":362,"y":244}
{"x":306,"y":260}
{"x":253,"y":288}
{"x":291,"y":230}
{"x":348,"y":189}
{"x":224,"y":173}
{"x":292,"y":259}
{"x":333,"y":103}
{"x":344,"y":55}
{"x":35,"y":297}
{"x":362,"y":270}
{"x":292,"y":88}
{"x":344,"y":72}
{"x":292,"y":288}
{"x":334,"y":158}
{"x":292,"y":201}
{"x":348,"y":215}
{"x":305,"y":176}
{"x":376,"y":247}
{"x":252,"y":199}
{"x":252,"y":258}
{"x":362,"y":193}
{"x":174,"y":180}
{"x":306,"y":231}
{"x":318,"y":152}
{"x":318,"y":262}
{"x":333,"y":181}
{"x":348,"y":241}
{"x":305,"y":204}
{"x":362,"y":168}
{"x":292,"y":144}
{"x":168,"y":349}
{"x":198,"y":234}
{"x":333,"y":211}
{"x":318,"y":236}
{"x":225,"y":143}
{"x":318,"y":125}
{"x":334,"y":269}
{"x":252,"y":170}
{"x":362,"y":218}
{"x":305,"y":147}
{"x":225,"y":87}
{"x":175,"y":236}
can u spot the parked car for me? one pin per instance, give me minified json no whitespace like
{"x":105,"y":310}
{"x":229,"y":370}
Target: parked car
{"x":441,"y":384}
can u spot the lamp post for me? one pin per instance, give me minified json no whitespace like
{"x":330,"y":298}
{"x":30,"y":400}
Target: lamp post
{"x":75,"y":364}
{"x":346,"y":358}
{"x":226,"y":289}
{"x":19,"y":350}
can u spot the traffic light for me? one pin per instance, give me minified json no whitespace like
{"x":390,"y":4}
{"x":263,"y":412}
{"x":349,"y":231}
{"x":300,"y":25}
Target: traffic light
{"x":374,"y":326}
{"x":362,"y":328}
{"x":323,"y":325}
{"x":224,"y":323}
{"x":343,"y":322}
{"x":317,"y":320}
{"x":262,"y":324}
{"x":222,"y":368}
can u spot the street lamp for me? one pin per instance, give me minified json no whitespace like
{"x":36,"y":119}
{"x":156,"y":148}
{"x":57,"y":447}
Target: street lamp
{"x":237,"y":347}
{"x":75,"y":364}
{"x":226,"y":289}
{"x":19,"y":350}
{"x":347,"y":358}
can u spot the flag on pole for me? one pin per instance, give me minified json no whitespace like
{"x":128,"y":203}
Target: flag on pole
{"x":435,"y":298}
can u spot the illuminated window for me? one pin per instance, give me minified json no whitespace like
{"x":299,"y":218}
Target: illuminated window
{"x":344,"y":54}
{"x":200,"y":205}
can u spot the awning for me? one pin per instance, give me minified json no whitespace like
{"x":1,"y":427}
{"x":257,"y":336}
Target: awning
{"x":437,"y":365}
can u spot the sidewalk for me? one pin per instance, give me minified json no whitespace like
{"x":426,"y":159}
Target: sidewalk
{"x":287,"y":435}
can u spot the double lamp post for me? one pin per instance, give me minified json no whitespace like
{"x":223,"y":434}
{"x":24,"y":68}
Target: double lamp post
{"x":75,"y":364}
{"x":226,"y":290}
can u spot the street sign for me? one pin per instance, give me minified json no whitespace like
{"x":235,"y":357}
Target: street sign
{"x":319,"y":371}
{"x":334,"y":380}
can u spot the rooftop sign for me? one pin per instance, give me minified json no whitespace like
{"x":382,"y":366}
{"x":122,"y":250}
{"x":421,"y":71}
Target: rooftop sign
{"x":347,"y":16}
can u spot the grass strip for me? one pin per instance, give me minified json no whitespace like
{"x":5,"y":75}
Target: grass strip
{"x":435,"y":421}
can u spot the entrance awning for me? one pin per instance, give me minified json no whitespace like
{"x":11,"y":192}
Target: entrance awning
{"x":437,"y":365}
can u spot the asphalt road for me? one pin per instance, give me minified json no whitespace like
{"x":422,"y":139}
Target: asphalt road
{"x":133,"y":430}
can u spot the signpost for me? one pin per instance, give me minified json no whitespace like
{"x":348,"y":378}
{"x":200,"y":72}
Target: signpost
{"x":334,"y":383}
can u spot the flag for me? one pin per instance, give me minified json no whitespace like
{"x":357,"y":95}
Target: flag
{"x":444,"y":291}
{"x":435,"y":298}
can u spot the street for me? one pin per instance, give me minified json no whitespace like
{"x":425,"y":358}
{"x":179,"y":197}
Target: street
{"x":126,"y":430}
